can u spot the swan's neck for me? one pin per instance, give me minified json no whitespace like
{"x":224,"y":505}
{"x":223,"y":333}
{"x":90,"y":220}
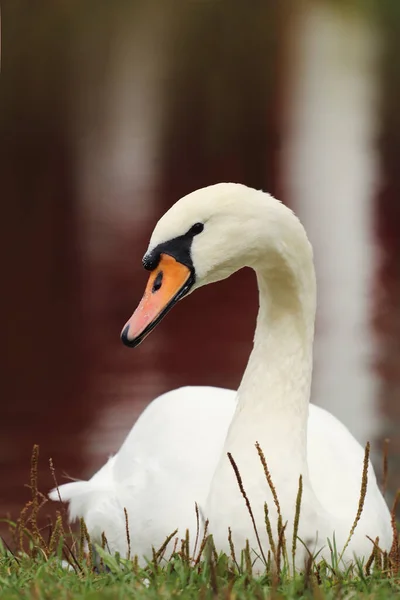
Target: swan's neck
{"x":273,"y":397}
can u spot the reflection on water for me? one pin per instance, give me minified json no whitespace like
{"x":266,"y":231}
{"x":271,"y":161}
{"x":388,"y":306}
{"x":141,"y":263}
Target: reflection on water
{"x":108,"y":118}
{"x":109,"y":122}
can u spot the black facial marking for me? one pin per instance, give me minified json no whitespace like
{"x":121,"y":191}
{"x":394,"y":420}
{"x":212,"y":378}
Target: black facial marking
{"x":196,"y":228}
{"x":179,"y":248}
{"x":150,"y":261}
{"x":157,"y":282}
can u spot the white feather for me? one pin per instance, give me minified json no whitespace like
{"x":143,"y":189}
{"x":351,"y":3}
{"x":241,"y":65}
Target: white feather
{"x":175,"y":455}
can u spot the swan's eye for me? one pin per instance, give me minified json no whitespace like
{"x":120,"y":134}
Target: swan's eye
{"x":196,"y":228}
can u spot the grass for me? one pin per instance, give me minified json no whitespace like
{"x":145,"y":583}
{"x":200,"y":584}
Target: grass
{"x":52,"y":562}
{"x":42,"y":577}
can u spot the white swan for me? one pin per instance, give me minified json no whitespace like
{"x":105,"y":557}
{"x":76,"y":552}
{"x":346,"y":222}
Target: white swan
{"x":176,"y":453}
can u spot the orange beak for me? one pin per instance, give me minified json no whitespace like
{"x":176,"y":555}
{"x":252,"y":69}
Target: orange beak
{"x":167,"y":284}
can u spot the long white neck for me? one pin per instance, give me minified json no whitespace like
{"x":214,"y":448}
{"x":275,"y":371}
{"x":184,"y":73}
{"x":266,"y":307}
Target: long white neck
{"x":273,"y":398}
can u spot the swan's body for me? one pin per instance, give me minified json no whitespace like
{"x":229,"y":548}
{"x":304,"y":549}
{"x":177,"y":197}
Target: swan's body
{"x":176,"y":454}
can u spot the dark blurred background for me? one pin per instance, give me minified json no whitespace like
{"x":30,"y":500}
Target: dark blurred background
{"x":109,"y":112}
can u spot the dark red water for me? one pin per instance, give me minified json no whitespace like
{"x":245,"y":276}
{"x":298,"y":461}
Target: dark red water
{"x":71,"y":265}
{"x":80,"y":199}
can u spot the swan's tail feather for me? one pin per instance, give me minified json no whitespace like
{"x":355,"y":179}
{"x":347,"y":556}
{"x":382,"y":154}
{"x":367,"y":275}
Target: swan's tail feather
{"x":85,"y":497}
{"x":82,"y":497}
{"x":98,"y":505}
{"x":96,"y":501}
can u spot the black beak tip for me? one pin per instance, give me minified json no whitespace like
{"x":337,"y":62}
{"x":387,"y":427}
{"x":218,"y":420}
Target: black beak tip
{"x":125,"y":339}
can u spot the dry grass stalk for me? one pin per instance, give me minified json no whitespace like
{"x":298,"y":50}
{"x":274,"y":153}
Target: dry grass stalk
{"x":280,"y":551}
{"x":269,"y":531}
{"x":247,"y":560}
{"x":128,"y":537}
{"x":56,"y":534}
{"x":64,"y":511}
{"x":210,"y":558}
{"x":21,"y":525}
{"x":377,"y":553}
{"x":81,"y":540}
{"x":269,"y":479}
{"x":296,"y":521}
{"x":385,"y":562}
{"x":174,"y":548}
{"x":155,"y":561}
{"x":363,"y":491}
{"x":89,"y":546}
{"x":35,"y":499}
{"x":103,"y":547}
{"x":197,"y":528}
{"x":135,"y":564}
{"x":161,"y":551}
{"x":371,"y":558}
{"x":378,"y":558}
{"x":317,"y":574}
{"x":53,"y":475}
{"x":34,"y":506}
{"x":243,"y":492}
{"x":385,"y":465}
{"x":308,"y":574}
{"x":273,"y":492}
{"x":84,"y":537}
{"x":395,"y":550}
{"x":232,"y":548}
{"x":187,"y":546}
{"x":33,"y":532}
{"x":203,"y":543}
{"x":49,"y":528}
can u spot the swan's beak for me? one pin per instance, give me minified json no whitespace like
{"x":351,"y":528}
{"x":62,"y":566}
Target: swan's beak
{"x":168,"y":283}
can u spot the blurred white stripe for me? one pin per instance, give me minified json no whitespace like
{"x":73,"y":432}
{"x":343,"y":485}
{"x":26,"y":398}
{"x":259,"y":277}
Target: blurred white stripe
{"x":331,"y":170}
{"x":120,"y":112}
{"x":120,"y":115}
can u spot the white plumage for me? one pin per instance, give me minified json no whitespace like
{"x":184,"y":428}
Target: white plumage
{"x":176,"y":453}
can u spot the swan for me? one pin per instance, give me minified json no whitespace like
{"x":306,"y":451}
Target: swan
{"x":176,"y":453}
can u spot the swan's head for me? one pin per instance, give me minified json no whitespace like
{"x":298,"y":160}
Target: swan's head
{"x":205,"y":237}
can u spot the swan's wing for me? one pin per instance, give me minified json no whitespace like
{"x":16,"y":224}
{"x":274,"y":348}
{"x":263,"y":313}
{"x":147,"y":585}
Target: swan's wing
{"x":163,"y":467}
{"x":335,"y":460}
